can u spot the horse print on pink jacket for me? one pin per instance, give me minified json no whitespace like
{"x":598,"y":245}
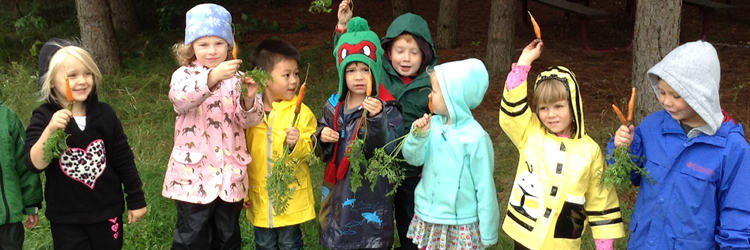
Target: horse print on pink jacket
{"x":209,"y":157}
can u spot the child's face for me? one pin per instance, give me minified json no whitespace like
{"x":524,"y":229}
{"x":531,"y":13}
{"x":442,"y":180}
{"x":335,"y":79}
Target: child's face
{"x":556,"y":117}
{"x":285,"y":80}
{"x":210,"y":50}
{"x":677,"y":107}
{"x":80,"y":78}
{"x":356,"y":75}
{"x":406,"y":57}
{"x":438,"y":102}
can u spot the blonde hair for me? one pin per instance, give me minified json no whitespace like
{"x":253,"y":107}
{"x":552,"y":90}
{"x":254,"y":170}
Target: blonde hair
{"x":185,"y":55}
{"x":55,"y":63}
{"x":549,"y":91}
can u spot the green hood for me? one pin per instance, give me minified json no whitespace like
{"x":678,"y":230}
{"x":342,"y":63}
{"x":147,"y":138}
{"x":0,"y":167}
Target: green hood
{"x":358,"y":44}
{"x":417,"y":26}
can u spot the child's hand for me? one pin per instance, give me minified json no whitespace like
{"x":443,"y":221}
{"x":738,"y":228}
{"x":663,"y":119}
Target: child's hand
{"x":423,"y":123}
{"x":32,"y":221}
{"x":59,"y":120}
{"x":345,"y":14}
{"x":248,"y":204}
{"x":624,"y":135}
{"x":328,"y":135}
{"x":373,"y":106}
{"x":135,"y":215}
{"x":292,"y":135}
{"x":252,"y":89}
{"x":531,"y":52}
{"x":223,"y":71}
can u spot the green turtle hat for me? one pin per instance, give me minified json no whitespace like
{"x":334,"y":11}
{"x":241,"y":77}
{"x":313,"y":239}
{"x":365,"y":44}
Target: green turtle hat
{"x":358,"y":44}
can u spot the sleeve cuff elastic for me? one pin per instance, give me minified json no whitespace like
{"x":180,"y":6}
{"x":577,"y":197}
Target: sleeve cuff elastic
{"x":30,"y":210}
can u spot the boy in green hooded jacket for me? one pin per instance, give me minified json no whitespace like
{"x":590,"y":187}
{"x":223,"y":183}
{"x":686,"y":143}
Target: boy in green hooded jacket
{"x":409,"y":51}
{"x":20,"y":189}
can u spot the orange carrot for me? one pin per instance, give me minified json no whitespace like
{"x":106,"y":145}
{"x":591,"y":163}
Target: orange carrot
{"x":369,"y":85}
{"x":300,"y":97}
{"x":631,"y":105}
{"x":537,"y":31}
{"x":429,"y":104}
{"x":234,"y":51}
{"x":620,"y":115}
{"x":68,"y":92}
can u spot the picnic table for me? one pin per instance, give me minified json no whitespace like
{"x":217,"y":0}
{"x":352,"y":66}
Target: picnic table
{"x":588,"y":14}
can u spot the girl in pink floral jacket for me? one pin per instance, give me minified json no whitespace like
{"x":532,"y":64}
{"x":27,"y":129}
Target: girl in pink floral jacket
{"x":206,"y":173}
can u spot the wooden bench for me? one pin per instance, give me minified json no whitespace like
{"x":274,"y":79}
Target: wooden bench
{"x":707,"y":7}
{"x":585,"y":13}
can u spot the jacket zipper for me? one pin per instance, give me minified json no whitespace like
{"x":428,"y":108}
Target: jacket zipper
{"x":5,"y":199}
{"x":269,"y":163}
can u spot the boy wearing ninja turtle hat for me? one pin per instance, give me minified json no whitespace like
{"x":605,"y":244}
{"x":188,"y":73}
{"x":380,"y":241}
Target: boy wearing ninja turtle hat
{"x":364,"y":221}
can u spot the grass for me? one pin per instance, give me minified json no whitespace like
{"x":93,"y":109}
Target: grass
{"x":138,"y":93}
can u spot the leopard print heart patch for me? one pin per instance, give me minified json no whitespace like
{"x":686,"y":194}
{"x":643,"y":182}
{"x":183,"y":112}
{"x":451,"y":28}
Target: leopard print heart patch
{"x":84,"y":166}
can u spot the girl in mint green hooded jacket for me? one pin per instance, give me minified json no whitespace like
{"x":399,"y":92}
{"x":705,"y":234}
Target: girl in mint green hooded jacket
{"x":455,"y":201}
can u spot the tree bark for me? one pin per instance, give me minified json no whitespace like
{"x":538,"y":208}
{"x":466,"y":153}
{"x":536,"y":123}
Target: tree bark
{"x":97,"y":33}
{"x":447,"y":31}
{"x":657,"y":32}
{"x":502,"y":29}
{"x":401,"y":7}
{"x":123,"y":16}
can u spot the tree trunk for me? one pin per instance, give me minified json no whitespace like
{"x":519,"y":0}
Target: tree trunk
{"x":657,"y":32}
{"x":97,"y":33}
{"x":123,"y":16}
{"x":401,"y":7}
{"x":447,"y":31}
{"x":500,"y":37}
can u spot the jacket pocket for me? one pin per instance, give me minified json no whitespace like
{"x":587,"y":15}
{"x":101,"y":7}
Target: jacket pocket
{"x":681,"y":244}
{"x":187,"y":157}
{"x":256,"y":197}
{"x":570,"y":222}
{"x":300,"y":197}
{"x":695,"y":190}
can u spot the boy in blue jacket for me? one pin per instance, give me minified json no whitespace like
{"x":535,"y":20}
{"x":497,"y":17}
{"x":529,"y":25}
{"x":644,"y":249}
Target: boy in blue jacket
{"x":697,"y":156}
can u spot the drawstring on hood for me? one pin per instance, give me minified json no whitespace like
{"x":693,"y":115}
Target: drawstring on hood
{"x":694,"y":72}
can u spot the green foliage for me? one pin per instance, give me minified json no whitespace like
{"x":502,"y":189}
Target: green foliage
{"x":618,"y":174}
{"x":299,"y":26}
{"x":476,"y":43}
{"x":320,"y":6}
{"x":29,"y":23}
{"x":56,"y":143}
{"x":356,"y":155}
{"x":261,"y":77}
{"x":282,"y":176}
{"x":169,"y":13}
{"x":249,"y":24}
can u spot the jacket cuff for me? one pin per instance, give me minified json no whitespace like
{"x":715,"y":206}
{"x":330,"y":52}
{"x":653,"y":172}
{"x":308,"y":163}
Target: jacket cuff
{"x":31,"y":210}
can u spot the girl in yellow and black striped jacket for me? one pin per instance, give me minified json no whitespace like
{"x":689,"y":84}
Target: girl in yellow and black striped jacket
{"x":555,"y":195}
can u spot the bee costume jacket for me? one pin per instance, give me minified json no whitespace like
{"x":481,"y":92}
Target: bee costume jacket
{"x":555,"y":195}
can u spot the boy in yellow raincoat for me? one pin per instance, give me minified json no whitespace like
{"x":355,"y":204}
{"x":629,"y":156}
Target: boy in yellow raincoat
{"x":266,"y":143}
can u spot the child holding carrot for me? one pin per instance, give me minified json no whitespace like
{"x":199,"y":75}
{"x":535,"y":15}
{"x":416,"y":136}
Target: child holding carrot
{"x":85,"y":184}
{"x":456,"y":201}
{"x":20,"y":189}
{"x":556,"y":194}
{"x":206,"y":174}
{"x":361,"y":220}
{"x":696,"y":155}
{"x":408,"y":52}
{"x":282,"y":128}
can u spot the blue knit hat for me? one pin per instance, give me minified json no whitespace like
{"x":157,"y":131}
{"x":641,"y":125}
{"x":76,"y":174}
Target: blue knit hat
{"x":208,"y":20}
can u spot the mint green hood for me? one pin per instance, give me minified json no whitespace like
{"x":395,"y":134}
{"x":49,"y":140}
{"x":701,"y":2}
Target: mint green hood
{"x":463,"y":84}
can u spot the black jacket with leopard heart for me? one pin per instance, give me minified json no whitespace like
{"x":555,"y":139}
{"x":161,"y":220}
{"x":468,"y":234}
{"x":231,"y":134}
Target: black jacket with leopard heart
{"x":86,"y":184}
